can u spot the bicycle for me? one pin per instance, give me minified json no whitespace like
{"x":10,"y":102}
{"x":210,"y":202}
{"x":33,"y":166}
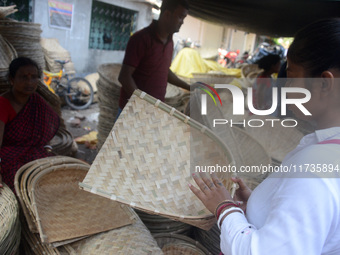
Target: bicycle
{"x":78,"y":92}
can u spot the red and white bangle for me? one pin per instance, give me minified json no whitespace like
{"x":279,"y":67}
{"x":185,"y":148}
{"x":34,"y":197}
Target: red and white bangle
{"x":220,"y":219}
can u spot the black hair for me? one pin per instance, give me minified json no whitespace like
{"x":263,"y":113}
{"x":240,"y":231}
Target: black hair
{"x":316,"y":47}
{"x":171,"y":5}
{"x":268,"y":61}
{"x":19,"y":62}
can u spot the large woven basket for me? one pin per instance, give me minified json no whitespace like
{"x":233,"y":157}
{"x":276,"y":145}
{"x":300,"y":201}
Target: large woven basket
{"x":9,"y":222}
{"x":213,"y":78}
{"x":51,"y":200}
{"x":25,"y":173}
{"x":25,"y":38}
{"x":278,"y":140}
{"x":174,"y":244}
{"x":132,"y":239}
{"x":246,"y":150}
{"x":146,"y":161}
{"x":209,"y":239}
{"x":108,"y":88}
{"x":57,"y":202}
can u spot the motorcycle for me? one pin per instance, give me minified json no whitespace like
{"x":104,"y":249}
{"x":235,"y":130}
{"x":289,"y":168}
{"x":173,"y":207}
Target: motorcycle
{"x":265,"y":49}
{"x":227,"y":58}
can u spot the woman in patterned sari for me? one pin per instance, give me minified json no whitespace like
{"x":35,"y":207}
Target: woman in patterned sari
{"x":27,"y":122}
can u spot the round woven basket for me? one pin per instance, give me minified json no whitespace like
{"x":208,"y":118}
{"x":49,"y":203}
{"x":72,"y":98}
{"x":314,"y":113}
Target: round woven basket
{"x":209,"y":239}
{"x":25,"y":38}
{"x":157,"y":224}
{"x":9,"y":222}
{"x":278,"y":140}
{"x":148,"y":156}
{"x":174,"y":244}
{"x":108,"y":90}
{"x":22,"y":180}
{"x":131,"y":239}
{"x":57,"y":201}
{"x":62,"y":143}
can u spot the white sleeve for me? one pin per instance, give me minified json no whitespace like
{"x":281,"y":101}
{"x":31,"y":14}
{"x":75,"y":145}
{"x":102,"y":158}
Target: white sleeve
{"x":299,"y":220}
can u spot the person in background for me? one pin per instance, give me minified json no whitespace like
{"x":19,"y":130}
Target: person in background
{"x":27,"y":122}
{"x":294,"y":212}
{"x":262,"y":89}
{"x":148,"y":55}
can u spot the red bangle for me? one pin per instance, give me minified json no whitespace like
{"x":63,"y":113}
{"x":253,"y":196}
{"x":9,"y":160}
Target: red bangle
{"x":219,"y":210}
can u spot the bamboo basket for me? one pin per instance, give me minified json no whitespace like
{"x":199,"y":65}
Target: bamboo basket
{"x":57,"y":201}
{"x":278,"y":140}
{"x":174,"y":244}
{"x":131,"y":239}
{"x":147,"y":157}
{"x":246,"y":150}
{"x":213,"y":78}
{"x":22,"y":178}
{"x":9,"y":222}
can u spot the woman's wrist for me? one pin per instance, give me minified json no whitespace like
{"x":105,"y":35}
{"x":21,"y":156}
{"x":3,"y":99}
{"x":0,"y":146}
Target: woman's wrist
{"x":227,"y":211}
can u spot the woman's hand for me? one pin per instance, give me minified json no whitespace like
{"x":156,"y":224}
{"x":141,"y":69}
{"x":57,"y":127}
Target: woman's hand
{"x":242,"y":193}
{"x":211,"y":191}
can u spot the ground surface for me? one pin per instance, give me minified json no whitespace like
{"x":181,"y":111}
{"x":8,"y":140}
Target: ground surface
{"x":79,"y":123}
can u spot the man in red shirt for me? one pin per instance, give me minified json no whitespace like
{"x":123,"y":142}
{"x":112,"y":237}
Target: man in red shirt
{"x":149,"y":53}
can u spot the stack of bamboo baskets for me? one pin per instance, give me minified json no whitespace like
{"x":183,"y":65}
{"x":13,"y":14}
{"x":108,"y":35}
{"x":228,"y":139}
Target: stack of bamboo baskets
{"x":54,"y":51}
{"x":108,"y":89}
{"x":25,"y":38}
{"x":9,"y":222}
{"x":61,"y":218}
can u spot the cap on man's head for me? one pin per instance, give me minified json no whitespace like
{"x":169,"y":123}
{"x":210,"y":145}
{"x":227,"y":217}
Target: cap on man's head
{"x":171,"y":5}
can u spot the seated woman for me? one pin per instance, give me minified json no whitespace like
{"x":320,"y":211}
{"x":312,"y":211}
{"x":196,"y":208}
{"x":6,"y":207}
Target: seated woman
{"x":298,"y":211}
{"x":262,"y":89}
{"x":27,"y":122}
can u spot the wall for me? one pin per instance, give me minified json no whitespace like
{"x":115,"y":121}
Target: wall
{"x":212,"y":36}
{"x":76,"y":40}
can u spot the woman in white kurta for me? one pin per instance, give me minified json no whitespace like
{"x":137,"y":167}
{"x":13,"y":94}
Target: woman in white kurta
{"x":293,"y":213}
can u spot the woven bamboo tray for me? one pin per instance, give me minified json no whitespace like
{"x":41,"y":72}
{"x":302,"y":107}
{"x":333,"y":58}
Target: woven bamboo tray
{"x":174,"y":244}
{"x":25,"y":173}
{"x":131,"y":239}
{"x":57,"y":202}
{"x":278,"y":140}
{"x":246,"y":150}
{"x":148,"y":156}
{"x":9,"y":222}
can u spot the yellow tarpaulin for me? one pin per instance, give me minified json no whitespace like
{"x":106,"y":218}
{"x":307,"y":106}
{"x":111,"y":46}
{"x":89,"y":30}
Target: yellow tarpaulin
{"x":189,"y":61}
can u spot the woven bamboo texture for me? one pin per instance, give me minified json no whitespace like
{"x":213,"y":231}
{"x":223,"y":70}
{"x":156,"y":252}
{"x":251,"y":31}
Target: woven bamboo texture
{"x":25,"y":38}
{"x":174,"y":244}
{"x":54,"y":51}
{"x":7,"y":53}
{"x":145,"y":161}
{"x":7,"y":10}
{"x":9,"y":222}
{"x":108,"y":88}
{"x":58,"y":201}
{"x":209,"y":239}
{"x":62,"y":143}
{"x":158,"y":224}
{"x":278,"y":140}
{"x":21,"y":180}
{"x":132,"y":239}
{"x":246,"y":150}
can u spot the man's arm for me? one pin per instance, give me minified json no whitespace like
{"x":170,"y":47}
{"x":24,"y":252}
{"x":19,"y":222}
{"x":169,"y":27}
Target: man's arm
{"x":125,"y":78}
{"x":173,"y":79}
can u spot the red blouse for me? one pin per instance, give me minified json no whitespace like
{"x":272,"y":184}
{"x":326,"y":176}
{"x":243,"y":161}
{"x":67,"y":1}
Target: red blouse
{"x":7,"y":113}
